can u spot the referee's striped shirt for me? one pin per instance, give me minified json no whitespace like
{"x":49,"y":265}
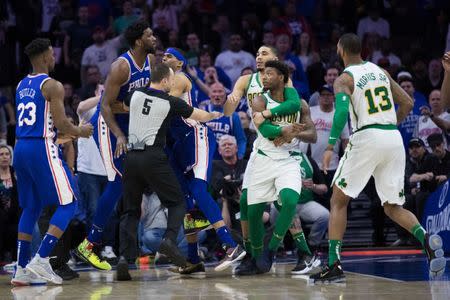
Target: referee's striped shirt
{"x":150,"y":114}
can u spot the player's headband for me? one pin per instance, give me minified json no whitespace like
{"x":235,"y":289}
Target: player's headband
{"x":177,"y":55}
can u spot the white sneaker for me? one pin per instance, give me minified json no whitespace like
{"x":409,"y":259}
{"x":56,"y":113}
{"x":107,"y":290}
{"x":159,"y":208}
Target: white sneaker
{"x":23,"y":277}
{"x":42,"y":268}
{"x":108,"y":253}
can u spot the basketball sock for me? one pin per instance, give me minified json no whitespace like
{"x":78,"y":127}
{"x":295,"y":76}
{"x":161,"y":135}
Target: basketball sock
{"x":419,"y":233}
{"x":289,"y":199}
{"x":301,"y":243}
{"x":225,"y":236}
{"x":95,"y":234}
{"x":334,"y":251}
{"x":48,"y":243}
{"x":105,"y":206}
{"x":205,"y":202}
{"x":193,"y":253}
{"x":243,"y":205}
{"x":23,"y":252}
{"x":256,"y":227}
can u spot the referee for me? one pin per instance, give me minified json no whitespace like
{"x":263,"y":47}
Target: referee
{"x":146,"y":164}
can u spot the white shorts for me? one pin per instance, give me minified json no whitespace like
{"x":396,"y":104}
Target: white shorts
{"x":269,"y":176}
{"x":248,"y":170}
{"x":378,"y":153}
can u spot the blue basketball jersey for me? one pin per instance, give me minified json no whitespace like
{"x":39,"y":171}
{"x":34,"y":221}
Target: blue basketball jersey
{"x":33,"y":116}
{"x":137,"y":78}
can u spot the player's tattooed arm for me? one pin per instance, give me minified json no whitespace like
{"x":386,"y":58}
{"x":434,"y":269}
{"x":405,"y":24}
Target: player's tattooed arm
{"x":445,"y":89}
{"x":181,"y":85}
{"x":308,"y":134}
{"x":238,"y":92}
{"x":404,"y":101}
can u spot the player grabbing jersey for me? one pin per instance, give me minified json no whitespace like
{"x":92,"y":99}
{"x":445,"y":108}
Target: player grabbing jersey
{"x":191,"y":157}
{"x":375,"y":149}
{"x":43,"y":178}
{"x":129,"y":71}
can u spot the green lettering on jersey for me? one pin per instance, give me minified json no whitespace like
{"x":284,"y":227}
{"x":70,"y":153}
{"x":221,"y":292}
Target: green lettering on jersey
{"x":384,"y":104}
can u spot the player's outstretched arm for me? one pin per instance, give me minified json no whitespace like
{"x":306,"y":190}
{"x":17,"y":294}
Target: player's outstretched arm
{"x":308,"y":134}
{"x":204,"y":116}
{"x":54,"y":93}
{"x":234,"y":98}
{"x":445,"y":89}
{"x":404,"y":101}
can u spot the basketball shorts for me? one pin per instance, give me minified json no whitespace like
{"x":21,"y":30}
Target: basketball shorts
{"x":43,"y":178}
{"x":269,"y":176}
{"x":378,"y":153}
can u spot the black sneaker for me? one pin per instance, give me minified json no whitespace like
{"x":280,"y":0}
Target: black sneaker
{"x":190,"y":269}
{"x":247,"y":269}
{"x":329,"y":274}
{"x":245,"y":263}
{"x":232,"y":255}
{"x":170,"y":249}
{"x":122,"y":270}
{"x":265,"y":261}
{"x":66,"y":273}
{"x":435,"y":254}
{"x":305,"y":263}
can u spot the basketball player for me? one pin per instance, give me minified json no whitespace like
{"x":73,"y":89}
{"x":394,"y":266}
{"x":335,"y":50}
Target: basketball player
{"x":191,"y":154}
{"x":129,"y":71}
{"x":250,"y":86}
{"x":43,"y":177}
{"x":375,"y":149}
{"x":275,"y":173}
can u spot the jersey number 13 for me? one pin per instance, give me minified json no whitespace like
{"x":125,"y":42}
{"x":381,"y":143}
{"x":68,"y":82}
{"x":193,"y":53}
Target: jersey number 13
{"x":384,"y":103}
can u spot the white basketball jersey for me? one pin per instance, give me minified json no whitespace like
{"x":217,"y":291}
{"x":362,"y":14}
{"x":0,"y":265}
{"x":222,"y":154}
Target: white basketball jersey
{"x":267,"y":146}
{"x":254,"y":89}
{"x":371,"y":102}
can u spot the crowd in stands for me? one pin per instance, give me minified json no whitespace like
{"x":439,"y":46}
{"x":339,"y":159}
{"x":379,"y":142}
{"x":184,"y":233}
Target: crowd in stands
{"x":220,"y":39}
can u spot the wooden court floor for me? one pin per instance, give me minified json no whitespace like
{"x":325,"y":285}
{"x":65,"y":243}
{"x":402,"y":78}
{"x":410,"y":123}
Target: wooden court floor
{"x":158,"y":283}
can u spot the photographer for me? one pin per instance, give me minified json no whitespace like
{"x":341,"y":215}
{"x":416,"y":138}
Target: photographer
{"x":227,"y":180}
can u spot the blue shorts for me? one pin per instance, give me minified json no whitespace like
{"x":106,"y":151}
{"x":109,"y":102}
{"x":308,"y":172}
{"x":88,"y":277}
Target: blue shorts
{"x":43,"y":178}
{"x":193,"y":154}
{"x":106,"y":142}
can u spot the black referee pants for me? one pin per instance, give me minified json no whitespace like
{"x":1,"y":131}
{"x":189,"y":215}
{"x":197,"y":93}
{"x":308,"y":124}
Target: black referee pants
{"x":148,"y":169}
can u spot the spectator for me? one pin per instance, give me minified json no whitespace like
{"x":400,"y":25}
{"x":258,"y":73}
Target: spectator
{"x":250,"y":134}
{"x":69,"y":102}
{"x":299,"y":80}
{"x":78,"y":38}
{"x":406,"y":128}
{"x":204,"y":86}
{"x":161,"y":30}
{"x":251,"y":32}
{"x":268,"y":39}
{"x":435,"y":75}
{"x":305,"y":50}
{"x":296,"y":24}
{"x":308,"y":210}
{"x":91,"y":172}
{"x":436,"y":120}
{"x":322,"y":116}
{"x":385,"y":52}
{"x":373,"y":23}
{"x":219,"y":34}
{"x":206,"y":61}
{"x":99,"y":12}
{"x":193,"y":49}
{"x":8,"y":121}
{"x":233,"y":60}
{"x":227,"y":181}
{"x":93,"y":78}
{"x":101,"y":54}
{"x":226,"y":125}
{"x":167,"y":12}
{"x":49,"y":9}
{"x":9,"y":206}
{"x":436,"y":143}
{"x":127,"y":18}
{"x":331,"y":74}
{"x":159,"y":53}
